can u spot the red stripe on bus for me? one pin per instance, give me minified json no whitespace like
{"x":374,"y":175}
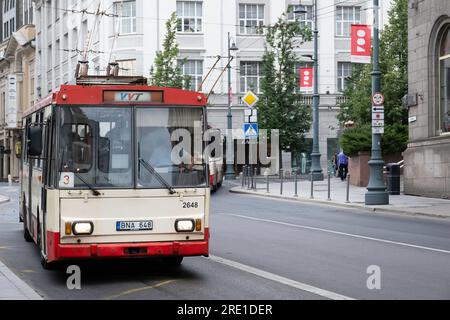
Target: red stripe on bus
{"x":57,"y":251}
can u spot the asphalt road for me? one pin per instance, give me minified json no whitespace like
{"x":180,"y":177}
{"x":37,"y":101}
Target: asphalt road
{"x":263,"y":249}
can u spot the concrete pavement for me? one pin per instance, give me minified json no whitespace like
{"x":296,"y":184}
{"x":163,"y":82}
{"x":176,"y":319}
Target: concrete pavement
{"x":398,"y":204}
{"x":13,"y":288}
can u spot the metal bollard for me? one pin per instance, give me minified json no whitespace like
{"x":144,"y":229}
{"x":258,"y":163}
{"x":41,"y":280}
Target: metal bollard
{"x":249,"y":178}
{"x":281,"y":181}
{"x":296,"y":185}
{"x":312,"y":186}
{"x":348,"y":189}
{"x":243,"y":177}
{"x":255,"y":174}
{"x":268,"y":185}
{"x":329,"y":186}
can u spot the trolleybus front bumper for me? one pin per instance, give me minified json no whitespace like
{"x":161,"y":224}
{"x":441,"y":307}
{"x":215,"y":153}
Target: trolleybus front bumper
{"x":57,"y":251}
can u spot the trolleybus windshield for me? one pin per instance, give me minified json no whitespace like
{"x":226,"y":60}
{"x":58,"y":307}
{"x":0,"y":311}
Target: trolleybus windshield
{"x":103,"y":147}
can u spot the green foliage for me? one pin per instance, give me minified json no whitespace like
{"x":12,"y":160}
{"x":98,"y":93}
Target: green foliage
{"x":395,"y":139}
{"x":278,"y":107}
{"x":166,"y":72}
{"x":356,"y":140}
{"x":394,"y":68}
{"x":359,"y":139}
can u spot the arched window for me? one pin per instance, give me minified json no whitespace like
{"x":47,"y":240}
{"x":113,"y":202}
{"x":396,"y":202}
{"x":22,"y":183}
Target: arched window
{"x":444,"y":81}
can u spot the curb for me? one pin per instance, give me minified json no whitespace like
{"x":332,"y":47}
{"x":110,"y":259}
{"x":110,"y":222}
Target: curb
{"x":26,"y":292}
{"x":238,"y":190}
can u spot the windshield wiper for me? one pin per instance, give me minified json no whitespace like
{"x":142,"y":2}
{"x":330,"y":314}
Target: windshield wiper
{"x":94,"y":191}
{"x":161,"y":180}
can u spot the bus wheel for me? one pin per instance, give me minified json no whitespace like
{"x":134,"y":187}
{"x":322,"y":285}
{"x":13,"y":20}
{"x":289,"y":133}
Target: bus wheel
{"x":173,"y":261}
{"x":26,"y":234}
{"x":47,"y":265}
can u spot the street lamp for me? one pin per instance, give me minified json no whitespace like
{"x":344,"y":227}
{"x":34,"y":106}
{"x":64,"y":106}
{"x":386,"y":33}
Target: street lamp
{"x":316,"y":168}
{"x":377,"y":193}
{"x":230,"y":174}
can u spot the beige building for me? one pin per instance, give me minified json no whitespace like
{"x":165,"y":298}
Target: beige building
{"x":17,"y":61}
{"x":427,"y":159}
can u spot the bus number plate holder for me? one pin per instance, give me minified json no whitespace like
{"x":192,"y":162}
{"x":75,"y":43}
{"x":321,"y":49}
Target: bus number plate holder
{"x":129,"y":226}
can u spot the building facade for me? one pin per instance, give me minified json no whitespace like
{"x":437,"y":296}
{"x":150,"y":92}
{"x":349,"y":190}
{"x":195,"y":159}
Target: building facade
{"x":427,"y":158}
{"x":16,"y":79}
{"x":131,"y":32}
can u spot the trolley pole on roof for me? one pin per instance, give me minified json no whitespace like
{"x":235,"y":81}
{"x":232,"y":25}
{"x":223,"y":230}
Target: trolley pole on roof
{"x":230,"y":174}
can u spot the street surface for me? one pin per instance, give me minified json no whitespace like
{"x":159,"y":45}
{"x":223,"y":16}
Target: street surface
{"x":262,"y":249}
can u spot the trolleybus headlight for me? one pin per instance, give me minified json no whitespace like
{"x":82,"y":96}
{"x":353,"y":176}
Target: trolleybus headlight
{"x":83,"y":228}
{"x":185,"y":225}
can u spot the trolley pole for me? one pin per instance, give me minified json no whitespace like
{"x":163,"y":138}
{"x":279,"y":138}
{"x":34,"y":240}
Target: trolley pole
{"x":377,"y":193}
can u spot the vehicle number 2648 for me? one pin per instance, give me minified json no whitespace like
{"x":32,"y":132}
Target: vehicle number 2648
{"x":190,"y":205}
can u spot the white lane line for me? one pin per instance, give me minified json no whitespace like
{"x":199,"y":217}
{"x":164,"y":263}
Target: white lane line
{"x":338,"y":233}
{"x":280,"y":279}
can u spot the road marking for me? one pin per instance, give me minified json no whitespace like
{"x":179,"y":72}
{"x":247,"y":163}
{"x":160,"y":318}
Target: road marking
{"x":280,"y":279}
{"x":125,"y":293}
{"x":339,"y":233}
{"x":28,"y":271}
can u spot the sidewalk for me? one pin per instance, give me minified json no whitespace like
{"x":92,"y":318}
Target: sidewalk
{"x":398,"y":204}
{"x":13,"y":288}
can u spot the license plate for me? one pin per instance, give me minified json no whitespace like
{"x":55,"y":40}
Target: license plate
{"x":134,"y":225}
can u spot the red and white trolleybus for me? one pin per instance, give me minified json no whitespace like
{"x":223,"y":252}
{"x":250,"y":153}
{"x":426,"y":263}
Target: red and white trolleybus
{"x":98,"y":180}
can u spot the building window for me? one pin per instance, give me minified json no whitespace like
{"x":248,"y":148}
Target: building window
{"x":344,"y":71}
{"x":126,"y":13}
{"x":193,"y":69}
{"x":189,"y":16}
{"x":443,"y":115}
{"x":251,"y":16}
{"x":305,"y":19}
{"x":250,"y":76}
{"x":345,"y":17}
{"x":127,"y":67}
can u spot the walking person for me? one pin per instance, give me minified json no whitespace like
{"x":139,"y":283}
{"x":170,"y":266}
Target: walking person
{"x":343,"y":166}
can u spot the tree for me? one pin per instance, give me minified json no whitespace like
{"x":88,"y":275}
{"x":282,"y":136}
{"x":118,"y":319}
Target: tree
{"x":279,"y":107}
{"x":166,"y":71}
{"x":394,"y":81}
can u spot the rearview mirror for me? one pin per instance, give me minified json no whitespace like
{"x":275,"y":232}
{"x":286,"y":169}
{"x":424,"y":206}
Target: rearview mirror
{"x":34,"y":141}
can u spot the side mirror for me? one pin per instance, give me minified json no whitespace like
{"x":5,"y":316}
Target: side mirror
{"x":34,"y":142}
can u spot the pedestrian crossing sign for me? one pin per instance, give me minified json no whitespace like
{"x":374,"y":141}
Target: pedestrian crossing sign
{"x":251,"y":130}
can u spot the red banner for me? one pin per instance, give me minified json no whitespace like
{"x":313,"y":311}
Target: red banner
{"x":361,"y":43}
{"x":306,"y":78}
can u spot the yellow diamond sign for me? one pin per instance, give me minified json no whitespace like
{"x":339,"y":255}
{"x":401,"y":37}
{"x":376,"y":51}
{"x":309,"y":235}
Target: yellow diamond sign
{"x":250,"y":99}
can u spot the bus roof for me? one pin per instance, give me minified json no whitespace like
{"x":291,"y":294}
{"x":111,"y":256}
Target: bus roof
{"x":120,"y":95}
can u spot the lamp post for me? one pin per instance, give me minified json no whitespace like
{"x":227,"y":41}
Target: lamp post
{"x":230,"y":174}
{"x":377,"y":193}
{"x":316,"y":168}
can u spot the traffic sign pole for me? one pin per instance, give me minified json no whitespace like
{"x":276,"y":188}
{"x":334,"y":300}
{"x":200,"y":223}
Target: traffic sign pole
{"x":377,"y":192}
